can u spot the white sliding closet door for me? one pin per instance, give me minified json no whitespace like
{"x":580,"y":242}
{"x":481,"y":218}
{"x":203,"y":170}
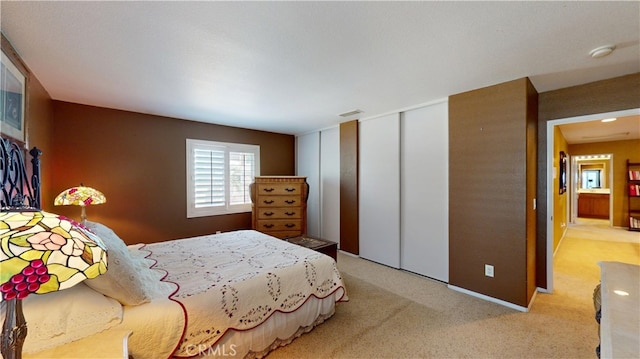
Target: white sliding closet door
{"x":330,"y":184}
{"x":425,"y":189}
{"x":379,"y":196}
{"x":307,"y":164}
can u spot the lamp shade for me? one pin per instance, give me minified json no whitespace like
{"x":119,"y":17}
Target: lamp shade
{"x":80,"y":196}
{"x":42,"y":252}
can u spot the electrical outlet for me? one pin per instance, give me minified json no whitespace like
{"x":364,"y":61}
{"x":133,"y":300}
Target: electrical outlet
{"x":488,"y":270}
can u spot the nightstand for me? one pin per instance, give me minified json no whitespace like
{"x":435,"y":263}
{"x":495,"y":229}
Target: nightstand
{"x":108,"y":344}
{"x":319,"y":245}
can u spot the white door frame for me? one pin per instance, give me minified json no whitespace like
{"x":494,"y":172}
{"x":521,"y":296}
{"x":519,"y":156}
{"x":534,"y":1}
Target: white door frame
{"x":551,"y":189}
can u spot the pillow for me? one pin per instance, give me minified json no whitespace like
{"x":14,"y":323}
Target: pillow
{"x":124,"y":280}
{"x":58,"y":318}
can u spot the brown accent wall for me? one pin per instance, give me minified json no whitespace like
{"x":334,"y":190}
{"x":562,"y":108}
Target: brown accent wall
{"x":492,"y":136}
{"x":616,"y":94}
{"x":349,"y":232}
{"x":531,"y":182}
{"x":621,"y":151}
{"x":139,"y":162}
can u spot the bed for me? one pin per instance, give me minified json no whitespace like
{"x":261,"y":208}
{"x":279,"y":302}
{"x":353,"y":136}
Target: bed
{"x":240,"y":293}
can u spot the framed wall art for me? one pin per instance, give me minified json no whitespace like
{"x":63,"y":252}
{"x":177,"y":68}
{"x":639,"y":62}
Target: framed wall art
{"x":12,"y":99}
{"x":563,"y":173}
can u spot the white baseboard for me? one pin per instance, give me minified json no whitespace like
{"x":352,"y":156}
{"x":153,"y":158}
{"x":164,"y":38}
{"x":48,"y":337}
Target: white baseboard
{"x":564,"y":233}
{"x":348,"y":254}
{"x":543,"y":290}
{"x":491,"y":299}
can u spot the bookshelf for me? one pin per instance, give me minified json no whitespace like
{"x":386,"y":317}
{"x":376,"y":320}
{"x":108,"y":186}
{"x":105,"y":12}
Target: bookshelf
{"x":633,"y":195}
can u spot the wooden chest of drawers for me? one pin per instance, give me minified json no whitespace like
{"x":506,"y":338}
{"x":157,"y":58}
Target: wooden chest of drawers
{"x":280,"y":205}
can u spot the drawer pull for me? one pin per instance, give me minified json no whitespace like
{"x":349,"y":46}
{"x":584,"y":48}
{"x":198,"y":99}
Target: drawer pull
{"x":268,"y":201}
{"x":268,"y":225}
{"x":289,"y":189}
{"x":268,"y":213}
{"x":268,"y":189}
{"x":289,"y":225}
{"x":289,"y":213}
{"x":290,"y":201}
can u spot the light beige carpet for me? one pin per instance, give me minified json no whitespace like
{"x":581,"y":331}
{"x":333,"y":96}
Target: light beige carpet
{"x":395,"y":314}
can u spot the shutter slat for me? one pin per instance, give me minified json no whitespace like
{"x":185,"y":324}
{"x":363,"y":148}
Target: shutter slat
{"x":208,"y":177}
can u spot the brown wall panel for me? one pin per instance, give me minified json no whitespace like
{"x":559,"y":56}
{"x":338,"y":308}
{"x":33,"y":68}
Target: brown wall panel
{"x":349,"y":233}
{"x":616,"y":94}
{"x":39,"y":128}
{"x":488,"y":190}
{"x":531,"y":180}
{"x":139,"y":162}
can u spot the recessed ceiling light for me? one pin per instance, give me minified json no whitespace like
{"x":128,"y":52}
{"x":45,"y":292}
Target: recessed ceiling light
{"x":602,"y":51}
{"x":609,"y":119}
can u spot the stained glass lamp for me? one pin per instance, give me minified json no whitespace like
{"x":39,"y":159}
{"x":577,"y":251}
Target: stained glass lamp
{"x":41,"y":252}
{"x":80,"y":196}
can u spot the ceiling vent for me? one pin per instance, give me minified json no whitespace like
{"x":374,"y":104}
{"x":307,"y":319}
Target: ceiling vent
{"x":351,"y":113}
{"x":612,"y":135}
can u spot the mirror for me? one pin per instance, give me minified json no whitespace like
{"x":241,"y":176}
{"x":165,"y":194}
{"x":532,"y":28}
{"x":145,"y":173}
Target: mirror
{"x":591,"y":179}
{"x":592,"y":172}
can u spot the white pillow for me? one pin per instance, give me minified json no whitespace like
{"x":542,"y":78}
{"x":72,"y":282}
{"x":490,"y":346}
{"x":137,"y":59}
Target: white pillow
{"x":125,"y":277}
{"x":58,"y":318}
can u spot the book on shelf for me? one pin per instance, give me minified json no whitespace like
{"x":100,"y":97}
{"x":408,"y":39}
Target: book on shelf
{"x":634,"y":175}
{"x":634,"y":190}
{"x":634,"y":222}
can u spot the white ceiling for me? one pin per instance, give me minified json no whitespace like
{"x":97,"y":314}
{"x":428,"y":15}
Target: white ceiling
{"x":292,"y":67}
{"x":623,"y":128}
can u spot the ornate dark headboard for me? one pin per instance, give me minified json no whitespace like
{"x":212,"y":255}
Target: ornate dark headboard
{"x":18,"y":184}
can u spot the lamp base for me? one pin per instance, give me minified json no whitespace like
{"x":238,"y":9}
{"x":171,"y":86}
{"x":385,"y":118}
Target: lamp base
{"x":14,"y":330}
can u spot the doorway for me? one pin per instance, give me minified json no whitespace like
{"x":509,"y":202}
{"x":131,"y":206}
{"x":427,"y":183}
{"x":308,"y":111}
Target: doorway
{"x":591,"y":187}
{"x":550,"y":178}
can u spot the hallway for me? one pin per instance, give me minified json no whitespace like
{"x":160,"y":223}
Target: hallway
{"x":576,"y":270}
{"x":599,"y":229}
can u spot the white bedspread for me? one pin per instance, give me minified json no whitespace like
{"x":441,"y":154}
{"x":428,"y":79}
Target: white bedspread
{"x":237,"y":280}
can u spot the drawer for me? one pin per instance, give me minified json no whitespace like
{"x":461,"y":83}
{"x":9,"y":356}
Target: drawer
{"x":278,"y":201}
{"x":283,"y":234}
{"x":279,"y":225}
{"x":279,"y":213}
{"x":274,"y":189}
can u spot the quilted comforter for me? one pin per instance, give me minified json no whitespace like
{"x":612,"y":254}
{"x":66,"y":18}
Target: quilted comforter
{"x":237,"y":280}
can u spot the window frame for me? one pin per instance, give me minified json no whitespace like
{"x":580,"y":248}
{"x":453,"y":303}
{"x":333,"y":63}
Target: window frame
{"x":191,"y":145}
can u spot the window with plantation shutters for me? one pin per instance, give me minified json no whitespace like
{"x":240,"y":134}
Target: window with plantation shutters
{"x":218,"y":177}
